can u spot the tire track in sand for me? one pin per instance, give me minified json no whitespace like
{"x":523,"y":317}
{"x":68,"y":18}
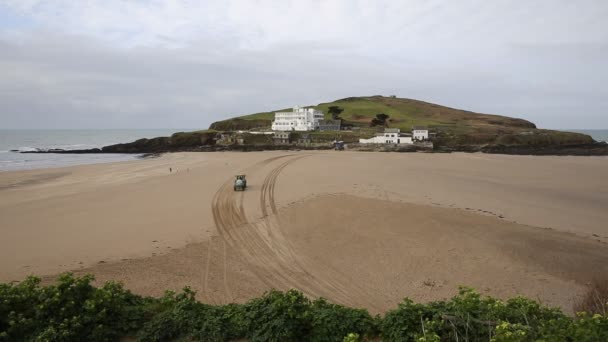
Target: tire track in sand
{"x":225,"y":215}
{"x":263,"y":246}
{"x":330,"y":282}
{"x":246,"y":239}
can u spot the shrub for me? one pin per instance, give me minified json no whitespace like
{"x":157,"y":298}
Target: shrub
{"x":595,"y":300}
{"x":278,"y":316}
{"x":181,"y":316}
{"x":18,"y":308}
{"x":70,"y":310}
{"x":404,"y":323}
{"x":352,"y":337}
{"x":74,"y":310}
{"x":467,"y":316}
{"x":331,"y":322}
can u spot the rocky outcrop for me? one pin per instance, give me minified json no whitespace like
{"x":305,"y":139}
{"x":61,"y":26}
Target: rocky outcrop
{"x":60,"y":150}
{"x":189,"y":141}
{"x":592,"y":149}
{"x":237,"y":124}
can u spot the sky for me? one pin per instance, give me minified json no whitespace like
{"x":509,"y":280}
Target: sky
{"x":186,"y":63}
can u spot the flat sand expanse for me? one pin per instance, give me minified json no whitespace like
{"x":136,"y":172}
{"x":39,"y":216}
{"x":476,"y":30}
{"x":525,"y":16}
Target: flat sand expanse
{"x":363,"y":229}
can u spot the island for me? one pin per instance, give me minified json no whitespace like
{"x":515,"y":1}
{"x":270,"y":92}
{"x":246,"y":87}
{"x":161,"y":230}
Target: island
{"x":354,"y":120}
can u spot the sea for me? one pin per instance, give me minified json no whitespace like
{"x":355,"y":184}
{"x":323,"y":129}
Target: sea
{"x":77,"y":139}
{"x":68,"y":139}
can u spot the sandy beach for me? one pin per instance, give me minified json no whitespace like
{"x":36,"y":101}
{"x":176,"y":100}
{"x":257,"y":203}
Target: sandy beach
{"x":363,"y":229}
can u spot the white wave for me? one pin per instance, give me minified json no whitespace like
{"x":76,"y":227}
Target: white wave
{"x":27,"y":149}
{"x":75,"y":146}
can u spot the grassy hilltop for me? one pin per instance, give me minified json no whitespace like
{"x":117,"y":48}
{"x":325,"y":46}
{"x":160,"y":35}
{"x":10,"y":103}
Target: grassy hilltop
{"x":454,"y":127}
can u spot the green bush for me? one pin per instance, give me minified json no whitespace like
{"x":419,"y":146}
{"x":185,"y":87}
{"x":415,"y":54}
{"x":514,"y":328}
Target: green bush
{"x":181,"y":316}
{"x":467,"y":316}
{"x":331,"y":322}
{"x":74,"y":310}
{"x":71,"y":310}
{"x":278,"y":316}
{"x":352,"y":337}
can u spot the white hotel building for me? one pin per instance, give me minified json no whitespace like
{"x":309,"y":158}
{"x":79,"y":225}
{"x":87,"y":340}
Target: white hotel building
{"x":301,"y":119}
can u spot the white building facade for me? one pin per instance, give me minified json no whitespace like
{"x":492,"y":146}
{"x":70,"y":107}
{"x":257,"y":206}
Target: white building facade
{"x":301,"y":119}
{"x":390,"y":136}
{"x":420,"y":133}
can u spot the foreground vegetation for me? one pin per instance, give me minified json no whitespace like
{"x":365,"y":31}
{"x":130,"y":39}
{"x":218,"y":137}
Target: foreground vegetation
{"x":74,"y":310}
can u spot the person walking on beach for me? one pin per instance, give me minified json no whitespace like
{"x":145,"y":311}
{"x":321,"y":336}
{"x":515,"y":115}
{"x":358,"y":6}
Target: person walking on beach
{"x":170,"y":170}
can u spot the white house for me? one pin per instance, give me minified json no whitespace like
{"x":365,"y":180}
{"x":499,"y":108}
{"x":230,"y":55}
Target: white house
{"x":390,"y":136}
{"x":420,"y":133}
{"x":301,"y":119}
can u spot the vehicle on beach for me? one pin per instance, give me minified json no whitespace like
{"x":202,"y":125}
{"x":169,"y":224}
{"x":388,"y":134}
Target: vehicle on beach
{"x":240,"y":183}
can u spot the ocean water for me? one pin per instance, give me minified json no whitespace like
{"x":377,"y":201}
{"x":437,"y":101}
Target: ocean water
{"x":597,"y":134}
{"x":24,"y":140}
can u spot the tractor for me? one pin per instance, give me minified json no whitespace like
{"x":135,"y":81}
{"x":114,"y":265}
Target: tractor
{"x":240,"y":183}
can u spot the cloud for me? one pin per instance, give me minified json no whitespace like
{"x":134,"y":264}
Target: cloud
{"x":187,"y":63}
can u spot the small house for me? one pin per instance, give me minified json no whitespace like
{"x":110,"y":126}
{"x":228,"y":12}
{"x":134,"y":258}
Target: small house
{"x":304,"y":139}
{"x":420,"y":133}
{"x":390,"y":136}
{"x":329,"y":125}
{"x":225,"y":138}
{"x":281,"y":138}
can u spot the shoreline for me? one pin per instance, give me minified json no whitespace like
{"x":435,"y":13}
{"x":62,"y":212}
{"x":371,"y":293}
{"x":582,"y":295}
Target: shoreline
{"x":599,"y":149}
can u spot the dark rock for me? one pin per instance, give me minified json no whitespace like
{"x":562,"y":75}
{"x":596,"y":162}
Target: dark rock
{"x":591,"y":149}
{"x":149,"y":155}
{"x":237,"y":124}
{"x":594,"y":149}
{"x":62,"y":151}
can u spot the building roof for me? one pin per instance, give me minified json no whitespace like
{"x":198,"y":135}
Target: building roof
{"x":329,"y":122}
{"x":392,"y":130}
{"x":420,"y":128}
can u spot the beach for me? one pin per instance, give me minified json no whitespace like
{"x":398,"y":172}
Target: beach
{"x":363,"y":229}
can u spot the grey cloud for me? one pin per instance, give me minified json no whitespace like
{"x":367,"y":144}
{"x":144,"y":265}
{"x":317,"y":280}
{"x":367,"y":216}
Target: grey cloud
{"x":53,"y":80}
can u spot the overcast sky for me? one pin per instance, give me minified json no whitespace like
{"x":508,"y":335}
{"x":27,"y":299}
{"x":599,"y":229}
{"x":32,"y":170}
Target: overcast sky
{"x":184,"y":64}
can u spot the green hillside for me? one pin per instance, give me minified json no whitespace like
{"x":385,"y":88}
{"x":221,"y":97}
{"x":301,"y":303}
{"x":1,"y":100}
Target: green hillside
{"x":454,"y":127}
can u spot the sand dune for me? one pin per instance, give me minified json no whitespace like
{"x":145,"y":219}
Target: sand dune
{"x":363,"y":229}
